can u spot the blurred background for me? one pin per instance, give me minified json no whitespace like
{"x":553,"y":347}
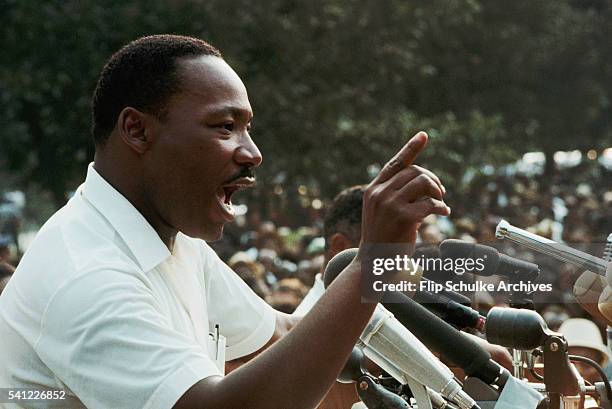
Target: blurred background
{"x":515,"y":95}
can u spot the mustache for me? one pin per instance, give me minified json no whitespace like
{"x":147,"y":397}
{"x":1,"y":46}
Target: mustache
{"x":245,"y":172}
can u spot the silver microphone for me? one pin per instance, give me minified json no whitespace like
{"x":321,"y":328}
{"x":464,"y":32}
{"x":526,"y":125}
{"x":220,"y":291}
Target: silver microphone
{"x":391,"y":346}
{"x":551,"y":248}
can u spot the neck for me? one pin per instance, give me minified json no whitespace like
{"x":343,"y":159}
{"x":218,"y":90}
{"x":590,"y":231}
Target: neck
{"x":131,"y":188}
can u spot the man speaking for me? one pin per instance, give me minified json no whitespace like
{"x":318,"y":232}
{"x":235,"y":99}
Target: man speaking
{"x":120,"y":303}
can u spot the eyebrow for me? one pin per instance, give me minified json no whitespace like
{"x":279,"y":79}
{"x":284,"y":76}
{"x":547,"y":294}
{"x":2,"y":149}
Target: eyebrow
{"x":232,"y":110}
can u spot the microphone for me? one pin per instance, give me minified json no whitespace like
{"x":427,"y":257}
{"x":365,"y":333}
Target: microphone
{"x":454,"y":296}
{"x":397,"y":351}
{"x":516,"y":328}
{"x":344,"y":258}
{"x":338,"y":263}
{"x":456,"y":314}
{"x":493,"y":261}
{"x":451,"y":344}
{"x":551,"y":248}
{"x":376,"y":396}
{"x":448,"y":304}
{"x":353,"y":369}
{"x":370,"y":392}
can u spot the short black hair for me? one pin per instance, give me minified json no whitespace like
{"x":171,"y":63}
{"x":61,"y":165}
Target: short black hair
{"x":142,"y":75}
{"x":344,"y":215}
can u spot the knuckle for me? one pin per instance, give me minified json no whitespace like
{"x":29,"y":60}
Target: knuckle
{"x":375,"y":193}
{"x":431,"y":202}
{"x":418,"y":170}
{"x":414,"y":172}
{"x":423,"y":179}
{"x":433,"y":186}
{"x":393,"y":164}
{"x":431,"y":183}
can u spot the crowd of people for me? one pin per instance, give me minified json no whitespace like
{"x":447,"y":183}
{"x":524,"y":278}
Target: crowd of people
{"x":280,"y":263}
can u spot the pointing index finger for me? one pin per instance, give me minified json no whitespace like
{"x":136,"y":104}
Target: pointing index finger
{"x":411,"y":150}
{"x":403,"y":158}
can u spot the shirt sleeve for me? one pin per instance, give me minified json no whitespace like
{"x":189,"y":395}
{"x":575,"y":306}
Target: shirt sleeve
{"x":104,"y":337}
{"x":243,"y":317}
{"x":316,"y":292}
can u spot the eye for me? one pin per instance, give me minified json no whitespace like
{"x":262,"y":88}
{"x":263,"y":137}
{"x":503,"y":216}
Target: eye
{"x":229,"y":126}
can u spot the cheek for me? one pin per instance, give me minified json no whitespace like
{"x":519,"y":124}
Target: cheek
{"x":191,"y":167}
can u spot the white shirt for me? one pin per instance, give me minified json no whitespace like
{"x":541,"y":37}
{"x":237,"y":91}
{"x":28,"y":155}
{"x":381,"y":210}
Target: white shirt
{"x":316,"y":292}
{"x":101,"y":309}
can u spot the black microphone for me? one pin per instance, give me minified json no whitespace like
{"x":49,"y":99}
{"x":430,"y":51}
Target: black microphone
{"x":444,"y":303}
{"x":451,"y":344}
{"x":338,"y":263}
{"x":341,"y":260}
{"x":493,"y":261}
{"x":516,"y":328}
{"x":353,"y":369}
{"x":456,"y":314}
{"x":370,"y":392}
{"x":431,"y":261}
{"x":454,"y":296}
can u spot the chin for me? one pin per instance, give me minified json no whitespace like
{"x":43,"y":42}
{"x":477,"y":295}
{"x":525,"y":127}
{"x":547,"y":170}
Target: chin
{"x":207,"y":233}
{"x":212,"y":234}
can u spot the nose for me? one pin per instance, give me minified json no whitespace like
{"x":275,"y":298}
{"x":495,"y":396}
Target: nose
{"x":248,"y":153}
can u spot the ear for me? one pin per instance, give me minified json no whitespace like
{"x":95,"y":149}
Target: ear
{"x":337,"y":243}
{"x":132,"y":129}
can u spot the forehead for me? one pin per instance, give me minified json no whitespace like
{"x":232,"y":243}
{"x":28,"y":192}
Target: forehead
{"x":213,"y":85}
{"x":586,"y":352}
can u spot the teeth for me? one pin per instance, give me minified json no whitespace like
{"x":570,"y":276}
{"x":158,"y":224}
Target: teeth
{"x":229,"y":207}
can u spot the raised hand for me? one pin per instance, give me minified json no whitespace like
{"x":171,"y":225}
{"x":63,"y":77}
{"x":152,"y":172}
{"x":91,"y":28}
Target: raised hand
{"x":400,"y":197}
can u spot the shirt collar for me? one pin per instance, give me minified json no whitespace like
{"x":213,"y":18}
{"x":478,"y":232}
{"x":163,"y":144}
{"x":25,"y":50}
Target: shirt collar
{"x":142,"y":240}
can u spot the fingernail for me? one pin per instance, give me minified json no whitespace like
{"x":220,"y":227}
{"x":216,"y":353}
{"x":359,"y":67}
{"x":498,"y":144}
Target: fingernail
{"x":419,"y":138}
{"x":443,"y":189}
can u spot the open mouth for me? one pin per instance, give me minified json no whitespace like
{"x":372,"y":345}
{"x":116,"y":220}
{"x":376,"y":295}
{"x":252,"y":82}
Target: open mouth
{"x":227,"y":191}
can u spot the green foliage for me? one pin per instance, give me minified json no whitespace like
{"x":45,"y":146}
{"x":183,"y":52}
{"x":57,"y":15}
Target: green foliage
{"x":336,"y":86}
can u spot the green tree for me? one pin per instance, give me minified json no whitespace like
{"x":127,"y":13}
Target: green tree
{"x":336,"y":85}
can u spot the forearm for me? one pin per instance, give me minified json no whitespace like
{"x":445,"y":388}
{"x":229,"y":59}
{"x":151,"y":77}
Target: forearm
{"x":296,"y":371}
{"x":284,"y":324}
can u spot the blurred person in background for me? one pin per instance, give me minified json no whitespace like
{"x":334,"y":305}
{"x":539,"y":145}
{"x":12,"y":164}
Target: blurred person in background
{"x":287,"y":294}
{"x":5,"y":249}
{"x":341,"y":230}
{"x":431,"y":234}
{"x":554,"y":315}
{"x":584,"y":339}
{"x":251,"y":272}
{"x":6,"y":271}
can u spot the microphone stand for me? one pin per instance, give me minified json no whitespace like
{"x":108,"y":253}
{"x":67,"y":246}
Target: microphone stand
{"x":523,"y":330}
{"x":521,"y":300}
{"x":375,"y":396}
{"x":565,"y":388}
